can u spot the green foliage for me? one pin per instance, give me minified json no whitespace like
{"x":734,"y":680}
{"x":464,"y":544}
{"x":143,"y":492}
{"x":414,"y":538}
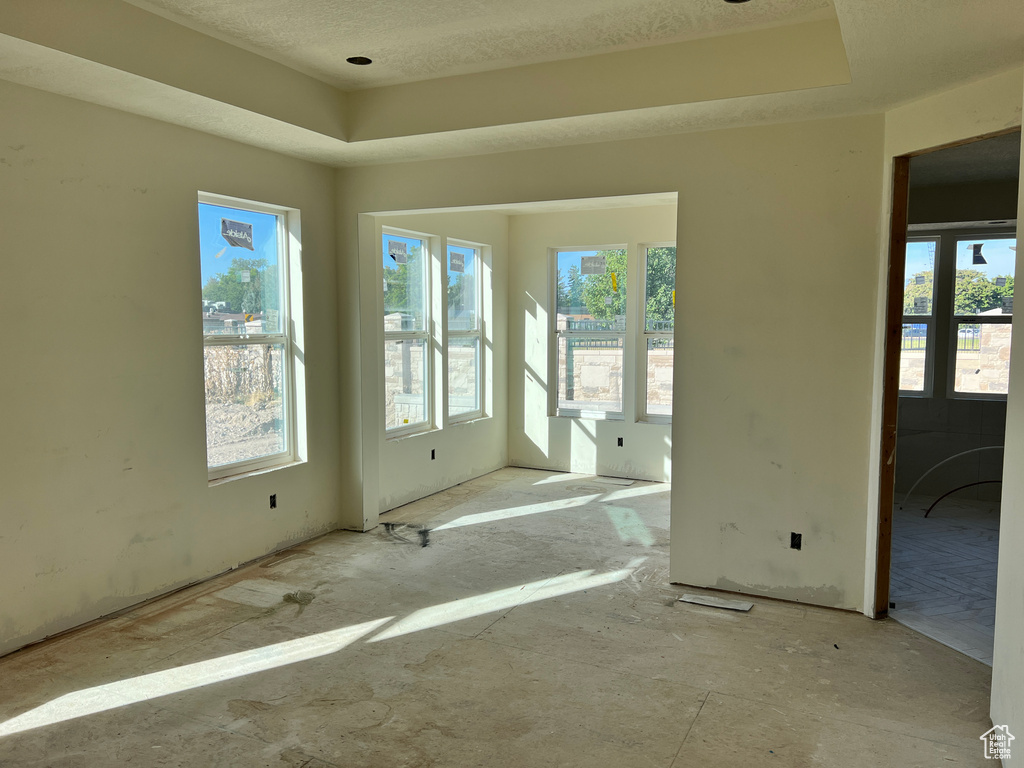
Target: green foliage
{"x":575,"y":287}
{"x":596,"y":288}
{"x":401,"y":296}
{"x":661,"y":281}
{"x":976,"y":293}
{"x":973,"y":294}
{"x":915,"y":290}
{"x":257,"y":295}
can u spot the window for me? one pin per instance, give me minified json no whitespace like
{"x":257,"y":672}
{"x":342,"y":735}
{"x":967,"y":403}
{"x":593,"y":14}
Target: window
{"x":245,"y":253}
{"x":983,"y":310}
{"x":464,"y":332}
{"x":659,"y":275}
{"x":590,"y":330}
{"x":407,"y":359}
{"x":918,"y":320}
{"x":957,"y":310}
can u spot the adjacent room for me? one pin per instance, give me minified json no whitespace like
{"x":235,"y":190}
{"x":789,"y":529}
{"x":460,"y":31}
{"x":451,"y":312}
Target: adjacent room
{"x":380,"y":377}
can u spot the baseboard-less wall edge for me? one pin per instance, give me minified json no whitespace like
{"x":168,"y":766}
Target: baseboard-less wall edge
{"x":26,"y":642}
{"x":759,"y":596}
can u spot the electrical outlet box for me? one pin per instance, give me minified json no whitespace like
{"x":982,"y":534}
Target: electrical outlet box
{"x":796,"y":540}
{"x":273,"y":501}
{"x":620,"y":442}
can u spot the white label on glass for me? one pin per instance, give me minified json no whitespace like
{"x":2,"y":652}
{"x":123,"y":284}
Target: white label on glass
{"x":919,"y":279}
{"x":1007,"y":304}
{"x":1000,"y":281}
{"x":921,"y":303}
{"x":385,"y":285}
{"x":397,"y":251}
{"x":456,"y":262}
{"x":244,"y":276}
{"x":608,"y":300}
{"x":593,"y":265}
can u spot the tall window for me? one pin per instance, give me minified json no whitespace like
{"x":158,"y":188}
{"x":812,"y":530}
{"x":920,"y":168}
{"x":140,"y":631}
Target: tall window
{"x":957,"y":310}
{"x":659,"y":276}
{"x":244,"y":254}
{"x":918,"y":343}
{"x":590,"y":329}
{"x":982,"y":312}
{"x":464,"y":337}
{"x":407,"y":374}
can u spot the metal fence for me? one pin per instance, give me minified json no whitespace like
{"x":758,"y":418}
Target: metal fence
{"x":915,"y":337}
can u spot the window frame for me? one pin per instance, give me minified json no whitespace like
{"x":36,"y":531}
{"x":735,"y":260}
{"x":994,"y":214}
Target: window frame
{"x":930,"y":321}
{"x":942,"y":324}
{"x":477,"y":333}
{"x":644,"y":336}
{"x":579,"y":413}
{"x":425,"y":335}
{"x":289,"y":262}
{"x":954,"y":320}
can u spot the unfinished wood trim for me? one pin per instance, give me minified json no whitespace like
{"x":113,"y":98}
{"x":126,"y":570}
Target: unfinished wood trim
{"x":891,"y":378}
{"x":962,"y":142}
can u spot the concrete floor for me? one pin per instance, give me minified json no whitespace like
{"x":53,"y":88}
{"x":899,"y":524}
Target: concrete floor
{"x":535,"y":628}
{"x":943,"y":578}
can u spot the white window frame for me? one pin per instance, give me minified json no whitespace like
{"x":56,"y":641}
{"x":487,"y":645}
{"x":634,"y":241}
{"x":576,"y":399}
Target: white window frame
{"x":477,"y":333}
{"x":929,"y":320}
{"x":425,"y":335}
{"x":557,"y":335}
{"x":289,"y":269}
{"x":942,"y":323}
{"x":644,"y":336}
{"x":956,"y":320}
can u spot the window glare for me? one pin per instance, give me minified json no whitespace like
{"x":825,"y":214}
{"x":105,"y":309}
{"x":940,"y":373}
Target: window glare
{"x":405,"y":279}
{"x":462,"y":288}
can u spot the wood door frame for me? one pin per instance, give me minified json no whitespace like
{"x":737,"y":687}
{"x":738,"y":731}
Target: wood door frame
{"x":898,"y":222}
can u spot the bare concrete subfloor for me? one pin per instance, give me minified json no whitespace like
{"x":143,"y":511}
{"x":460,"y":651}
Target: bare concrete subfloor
{"x":537,"y":627}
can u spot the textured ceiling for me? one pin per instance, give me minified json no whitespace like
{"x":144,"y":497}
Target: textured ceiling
{"x":994,"y":159}
{"x":192,"y":63}
{"x":424,"y":39}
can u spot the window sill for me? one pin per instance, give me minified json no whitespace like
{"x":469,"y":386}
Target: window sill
{"x":253,"y":472}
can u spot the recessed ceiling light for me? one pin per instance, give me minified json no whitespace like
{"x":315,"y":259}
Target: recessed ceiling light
{"x":362,"y":61}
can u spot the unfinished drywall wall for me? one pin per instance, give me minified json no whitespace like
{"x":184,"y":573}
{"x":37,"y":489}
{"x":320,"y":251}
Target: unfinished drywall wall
{"x":1008,"y":656}
{"x":106,"y":497}
{"x":414,"y":466}
{"x":537,"y":439}
{"x":777,"y":239}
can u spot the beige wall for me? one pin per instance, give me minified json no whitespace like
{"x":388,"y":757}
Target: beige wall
{"x":578,"y":445}
{"x":768,"y":437}
{"x":1008,"y":658}
{"x":106,"y":498}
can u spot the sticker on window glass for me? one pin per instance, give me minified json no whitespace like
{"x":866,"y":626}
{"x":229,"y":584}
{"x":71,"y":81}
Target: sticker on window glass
{"x":1007,"y":304}
{"x":237,"y":233}
{"x":919,"y":279}
{"x":397,"y":251}
{"x":615,"y":283}
{"x":592,"y":265}
{"x":385,"y":285}
{"x":921,"y":303}
{"x":1000,"y":281}
{"x":456,"y":262}
{"x":245,"y":275}
{"x":608,"y":300}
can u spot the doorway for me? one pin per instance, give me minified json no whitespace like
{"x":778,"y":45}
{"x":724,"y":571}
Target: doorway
{"x":950,"y":306}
